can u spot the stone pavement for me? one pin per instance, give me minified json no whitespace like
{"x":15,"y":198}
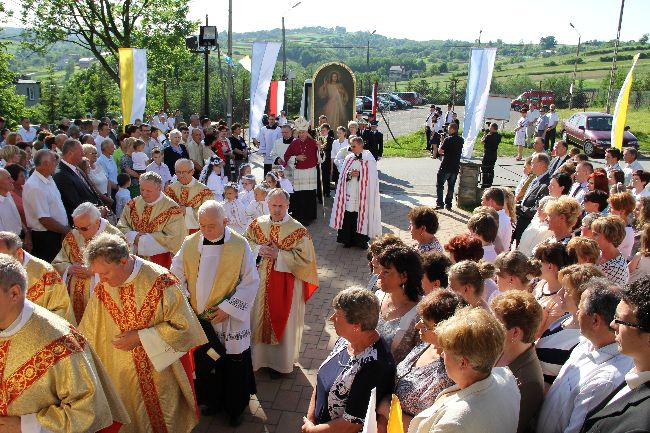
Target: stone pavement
{"x":280,"y":404}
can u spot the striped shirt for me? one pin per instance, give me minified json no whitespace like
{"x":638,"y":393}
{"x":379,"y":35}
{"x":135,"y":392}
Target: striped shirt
{"x":554,"y":347}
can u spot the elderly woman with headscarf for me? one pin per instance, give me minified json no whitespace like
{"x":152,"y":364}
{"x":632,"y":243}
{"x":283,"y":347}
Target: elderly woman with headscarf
{"x":359,"y":362}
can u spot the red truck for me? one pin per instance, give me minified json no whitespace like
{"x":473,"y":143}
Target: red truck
{"x":545,"y":97}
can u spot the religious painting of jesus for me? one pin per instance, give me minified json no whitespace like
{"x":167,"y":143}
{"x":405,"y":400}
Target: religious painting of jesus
{"x":334,"y":92}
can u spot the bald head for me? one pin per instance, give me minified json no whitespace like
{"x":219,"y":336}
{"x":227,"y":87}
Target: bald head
{"x":183,"y":164}
{"x":212,"y":220}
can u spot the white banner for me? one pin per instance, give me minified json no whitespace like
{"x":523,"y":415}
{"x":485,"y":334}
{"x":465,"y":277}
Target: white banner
{"x":481,"y":66}
{"x":133,"y":83}
{"x":263,"y":62}
{"x":370,"y":424}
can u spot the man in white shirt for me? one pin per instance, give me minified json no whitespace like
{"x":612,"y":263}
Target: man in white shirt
{"x":627,"y":408}
{"x":282,"y":119}
{"x":428,"y":125}
{"x":194,"y":149}
{"x":595,"y":367}
{"x":268,"y":135}
{"x":580,"y":187}
{"x":9,"y":216}
{"x":495,"y":198}
{"x":26,"y":131}
{"x":553,"y":119}
{"x":103,"y":129}
{"x":44,"y":211}
{"x":612,"y":158}
{"x":532,"y":116}
{"x":107,"y":162}
{"x":630,"y":155}
{"x":449,"y":115}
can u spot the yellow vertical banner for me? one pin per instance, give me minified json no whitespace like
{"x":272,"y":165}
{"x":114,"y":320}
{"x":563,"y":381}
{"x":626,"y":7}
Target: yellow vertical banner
{"x":395,"y":416}
{"x":620,"y":111}
{"x":133,"y":83}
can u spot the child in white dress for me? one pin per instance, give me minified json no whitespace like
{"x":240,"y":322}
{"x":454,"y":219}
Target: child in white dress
{"x":235,"y":209}
{"x":246,"y":194}
{"x":284,"y":182}
{"x":258,"y":207}
{"x":213,"y":177}
{"x":140,"y":159}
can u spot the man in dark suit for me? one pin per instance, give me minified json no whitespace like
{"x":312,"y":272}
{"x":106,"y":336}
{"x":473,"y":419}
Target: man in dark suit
{"x":538,"y":188}
{"x":74,"y":186}
{"x":451,"y":151}
{"x":627,"y":408}
{"x":374,"y":140}
{"x":561,"y":156}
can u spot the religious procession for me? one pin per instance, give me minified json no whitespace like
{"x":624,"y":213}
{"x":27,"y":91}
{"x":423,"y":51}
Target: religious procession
{"x":159,"y":275}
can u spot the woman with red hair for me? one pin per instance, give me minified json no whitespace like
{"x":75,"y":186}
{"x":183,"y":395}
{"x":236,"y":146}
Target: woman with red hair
{"x":598,"y":180}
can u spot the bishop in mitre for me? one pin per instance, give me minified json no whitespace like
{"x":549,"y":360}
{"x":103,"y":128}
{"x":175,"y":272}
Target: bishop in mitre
{"x":52,"y":380}
{"x":44,"y":284}
{"x":70,"y":264}
{"x":141,"y":325}
{"x":288,"y":278}
{"x":188,"y":193}
{"x":153,"y":224}
{"x":217,"y":269}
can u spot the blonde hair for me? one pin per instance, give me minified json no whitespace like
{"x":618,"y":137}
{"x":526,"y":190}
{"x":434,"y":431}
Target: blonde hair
{"x":611,"y":227}
{"x":475,"y":334}
{"x":566,"y":206}
{"x":509,"y":204}
{"x":88,"y":148}
{"x":9,"y":151}
{"x":583,"y":247}
{"x":472,"y":273}
{"x":129,"y":142}
{"x":574,"y":277}
{"x":518,"y":308}
{"x":517,"y":264}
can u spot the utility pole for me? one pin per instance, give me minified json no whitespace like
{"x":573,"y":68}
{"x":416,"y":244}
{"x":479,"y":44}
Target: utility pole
{"x":284,"y":43}
{"x":613,"y":71}
{"x":575,"y":68}
{"x":223,"y":92}
{"x":230,"y":89}
{"x":368,"y":62}
{"x":206,"y":78}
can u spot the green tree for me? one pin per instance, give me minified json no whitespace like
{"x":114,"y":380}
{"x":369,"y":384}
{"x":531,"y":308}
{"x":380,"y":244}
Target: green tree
{"x":49,"y":97}
{"x":104,"y":26}
{"x":12,"y":105}
{"x":547,"y":42}
{"x":644,"y":39}
{"x":69,"y":69}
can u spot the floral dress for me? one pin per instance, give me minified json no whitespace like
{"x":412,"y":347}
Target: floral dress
{"x":418,"y":387}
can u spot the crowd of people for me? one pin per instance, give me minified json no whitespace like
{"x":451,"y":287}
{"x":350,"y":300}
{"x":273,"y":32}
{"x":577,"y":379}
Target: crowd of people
{"x":148,"y":272}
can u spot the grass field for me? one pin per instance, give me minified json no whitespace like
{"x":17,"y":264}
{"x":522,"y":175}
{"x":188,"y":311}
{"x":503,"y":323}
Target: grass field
{"x":413,"y":145}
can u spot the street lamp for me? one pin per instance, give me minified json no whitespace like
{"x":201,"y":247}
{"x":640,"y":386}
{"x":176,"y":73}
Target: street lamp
{"x":575,"y":68}
{"x":284,"y":43}
{"x":207,"y":40}
{"x":613,"y":70}
{"x":368,"y":60}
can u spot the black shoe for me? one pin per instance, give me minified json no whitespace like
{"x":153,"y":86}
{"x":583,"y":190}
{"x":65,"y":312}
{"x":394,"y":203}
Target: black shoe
{"x":448,"y":207}
{"x":347,"y":245}
{"x":275,"y":375}
{"x":439,"y":207}
{"x":208,"y":410}
{"x":235,"y":421}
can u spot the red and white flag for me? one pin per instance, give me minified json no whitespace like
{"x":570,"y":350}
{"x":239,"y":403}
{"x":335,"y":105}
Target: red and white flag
{"x":374,"y":100}
{"x":276,"y":97}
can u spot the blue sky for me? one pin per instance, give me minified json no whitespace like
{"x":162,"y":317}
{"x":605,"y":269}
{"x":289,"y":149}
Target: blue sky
{"x":510,"y":20}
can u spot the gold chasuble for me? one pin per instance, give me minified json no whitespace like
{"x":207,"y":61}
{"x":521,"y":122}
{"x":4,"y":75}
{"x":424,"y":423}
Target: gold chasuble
{"x":150,"y":300}
{"x":51,"y":377}
{"x":164,"y":221}
{"x":72,"y":253}
{"x":46,"y":288}
{"x":227,"y":271}
{"x":192,"y":196}
{"x":296,"y":250}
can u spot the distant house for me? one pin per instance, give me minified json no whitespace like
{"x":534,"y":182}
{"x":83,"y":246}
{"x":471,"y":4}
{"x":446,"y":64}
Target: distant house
{"x":397,"y":73}
{"x":31,"y":89}
{"x":85,"y":62}
{"x":546,"y":53}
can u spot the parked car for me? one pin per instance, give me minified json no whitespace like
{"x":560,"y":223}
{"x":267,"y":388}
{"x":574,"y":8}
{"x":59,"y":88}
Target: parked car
{"x":413,"y":98}
{"x":400,"y":103}
{"x":386,"y":104}
{"x":359,"y":103}
{"x":544,"y":96}
{"x":593,"y":131}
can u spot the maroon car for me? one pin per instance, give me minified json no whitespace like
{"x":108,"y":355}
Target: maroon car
{"x":593,"y":131}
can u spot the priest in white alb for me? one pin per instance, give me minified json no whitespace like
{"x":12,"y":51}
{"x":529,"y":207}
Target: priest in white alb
{"x":217,"y":270}
{"x":50,"y":377}
{"x":288,"y":278}
{"x":356,"y":213}
{"x":79,"y":280}
{"x":141,"y":326}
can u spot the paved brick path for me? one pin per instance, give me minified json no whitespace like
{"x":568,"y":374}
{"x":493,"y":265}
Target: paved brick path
{"x":280,"y":404}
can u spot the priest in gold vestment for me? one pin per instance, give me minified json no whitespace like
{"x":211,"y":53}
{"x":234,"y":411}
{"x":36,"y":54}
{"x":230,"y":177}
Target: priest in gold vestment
{"x":188,"y":193}
{"x":288,"y":278}
{"x":44,"y":284}
{"x":140,"y":324}
{"x":80,"y":281}
{"x":217,"y":269}
{"x":153,"y":224}
{"x":50,"y":378}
